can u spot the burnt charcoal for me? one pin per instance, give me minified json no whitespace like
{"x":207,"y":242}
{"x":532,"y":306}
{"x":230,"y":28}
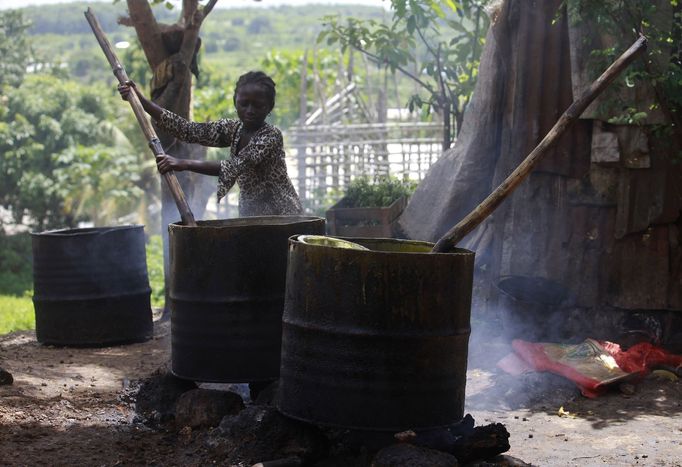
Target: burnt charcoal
{"x":408,"y":455}
{"x":156,"y":396}
{"x":205,"y":407}
{"x":261,"y":433}
{"x":444,"y":439}
{"x":484,"y":443}
{"x":6,"y":377}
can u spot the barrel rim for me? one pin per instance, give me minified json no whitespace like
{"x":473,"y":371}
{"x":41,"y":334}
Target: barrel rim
{"x":65,"y":233}
{"x":456,"y":252}
{"x":242,"y":222}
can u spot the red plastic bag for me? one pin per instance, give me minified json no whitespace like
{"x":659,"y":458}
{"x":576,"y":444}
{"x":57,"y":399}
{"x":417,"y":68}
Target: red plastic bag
{"x":592,"y":365}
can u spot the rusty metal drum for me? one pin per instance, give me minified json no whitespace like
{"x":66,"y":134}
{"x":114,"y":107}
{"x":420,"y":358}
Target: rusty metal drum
{"x":91,"y":286}
{"x":375,"y":339}
{"x":227,"y":296}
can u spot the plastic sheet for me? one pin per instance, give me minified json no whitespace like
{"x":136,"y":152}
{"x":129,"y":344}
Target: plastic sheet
{"x":592,"y":365}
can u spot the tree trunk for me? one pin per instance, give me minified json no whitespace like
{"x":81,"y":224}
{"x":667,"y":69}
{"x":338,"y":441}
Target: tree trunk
{"x":171,"y":53}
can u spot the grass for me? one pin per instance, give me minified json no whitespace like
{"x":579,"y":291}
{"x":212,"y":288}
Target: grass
{"x":16,"y":313}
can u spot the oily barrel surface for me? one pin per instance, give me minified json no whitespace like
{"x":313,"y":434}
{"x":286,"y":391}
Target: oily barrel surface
{"x":91,"y":286}
{"x":227,"y":296}
{"x":375,"y":339}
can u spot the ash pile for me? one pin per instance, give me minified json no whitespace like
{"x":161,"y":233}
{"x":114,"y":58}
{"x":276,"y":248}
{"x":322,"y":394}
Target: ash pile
{"x":240,"y":425}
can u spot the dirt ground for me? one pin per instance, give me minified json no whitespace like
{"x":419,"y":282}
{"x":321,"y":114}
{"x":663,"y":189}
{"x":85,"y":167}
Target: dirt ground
{"x":75,"y":406}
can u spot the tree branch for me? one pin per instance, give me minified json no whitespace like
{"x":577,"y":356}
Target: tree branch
{"x":378,"y":60}
{"x":148,"y":31}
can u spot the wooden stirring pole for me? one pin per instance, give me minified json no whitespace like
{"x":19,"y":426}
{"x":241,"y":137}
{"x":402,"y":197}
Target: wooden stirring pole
{"x":154,"y":142}
{"x":483,"y":210}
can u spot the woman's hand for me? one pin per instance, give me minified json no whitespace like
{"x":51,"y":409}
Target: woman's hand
{"x":124,"y":89}
{"x":166,"y":163}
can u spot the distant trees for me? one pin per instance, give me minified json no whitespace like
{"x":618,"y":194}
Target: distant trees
{"x":61,"y":158}
{"x":14,"y":47}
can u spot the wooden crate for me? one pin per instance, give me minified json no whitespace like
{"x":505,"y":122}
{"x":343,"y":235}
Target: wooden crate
{"x":378,"y":222}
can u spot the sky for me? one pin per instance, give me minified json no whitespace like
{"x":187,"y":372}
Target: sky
{"x":6,"y":4}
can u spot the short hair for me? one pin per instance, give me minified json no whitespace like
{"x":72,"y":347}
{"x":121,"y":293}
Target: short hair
{"x":260,"y":78}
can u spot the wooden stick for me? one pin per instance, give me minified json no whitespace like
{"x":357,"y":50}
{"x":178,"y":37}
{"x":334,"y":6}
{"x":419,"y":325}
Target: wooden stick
{"x":483,"y":210}
{"x":147,"y":129}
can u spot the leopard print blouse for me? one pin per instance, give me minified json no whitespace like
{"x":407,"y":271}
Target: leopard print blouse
{"x":259,"y":168}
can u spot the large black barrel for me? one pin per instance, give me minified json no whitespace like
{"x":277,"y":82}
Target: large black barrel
{"x":227,"y":296}
{"x":378,"y":339}
{"x":91,"y":286}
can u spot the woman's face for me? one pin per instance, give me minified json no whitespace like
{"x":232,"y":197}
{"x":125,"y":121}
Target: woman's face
{"x":253,"y":105}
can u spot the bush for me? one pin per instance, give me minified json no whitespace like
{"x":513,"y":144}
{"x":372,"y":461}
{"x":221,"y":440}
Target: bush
{"x":16,"y":264}
{"x":154,"y":251}
{"x":363,"y":193}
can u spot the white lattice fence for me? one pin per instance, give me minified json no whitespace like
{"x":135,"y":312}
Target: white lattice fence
{"x":323,"y":159}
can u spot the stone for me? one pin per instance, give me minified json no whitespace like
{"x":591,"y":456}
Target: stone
{"x":260,"y":433}
{"x":198,"y":408}
{"x":407,"y":455}
{"x":6,"y":377}
{"x":156,"y":397}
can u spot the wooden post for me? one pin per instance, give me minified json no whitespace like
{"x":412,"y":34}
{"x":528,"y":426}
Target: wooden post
{"x":142,"y":120}
{"x":483,"y":210}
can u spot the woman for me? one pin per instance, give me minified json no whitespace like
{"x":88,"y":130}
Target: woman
{"x":257,"y":156}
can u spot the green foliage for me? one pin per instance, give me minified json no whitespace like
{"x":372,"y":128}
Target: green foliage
{"x":16,"y":267}
{"x":362,"y":192}
{"x":16,"y":314}
{"x":285,"y":69}
{"x":14,"y":47}
{"x":62,"y":160}
{"x":620,"y":23}
{"x":154,"y":251}
{"x":442,"y":39}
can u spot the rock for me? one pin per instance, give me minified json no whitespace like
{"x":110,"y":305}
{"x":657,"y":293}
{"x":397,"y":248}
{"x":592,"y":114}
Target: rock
{"x":5,"y":377}
{"x":261,"y":433}
{"x":484,"y":443}
{"x":205,"y":407}
{"x":408,"y":455}
{"x":156,"y":396}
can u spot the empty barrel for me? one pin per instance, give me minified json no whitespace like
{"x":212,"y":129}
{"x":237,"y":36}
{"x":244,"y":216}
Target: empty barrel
{"x":375,"y":339}
{"x":91,"y":286}
{"x":227,"y":296}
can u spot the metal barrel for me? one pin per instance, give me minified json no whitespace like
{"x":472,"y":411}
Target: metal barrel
{"x":227,"y":296}
{"x":91,"y":286}
{"x":378,"y":339}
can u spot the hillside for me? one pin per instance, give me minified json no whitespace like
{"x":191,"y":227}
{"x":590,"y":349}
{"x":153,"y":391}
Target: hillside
{"x":237,"y":38}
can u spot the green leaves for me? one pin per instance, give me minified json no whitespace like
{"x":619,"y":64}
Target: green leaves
{"x":435,"y":43}
{"x":14,"y":47}
{"x":61,"y":161}
{"x":362,"y":192}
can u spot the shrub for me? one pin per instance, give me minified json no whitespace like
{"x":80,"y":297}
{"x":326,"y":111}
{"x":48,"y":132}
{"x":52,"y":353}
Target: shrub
{"x":362,"y":192}
{"x":16,"y":264}
{"x":154,"y":251}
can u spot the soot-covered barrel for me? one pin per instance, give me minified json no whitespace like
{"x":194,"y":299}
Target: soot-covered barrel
{"x":227,"y":296}
{"x":91,"y":286}
{"x":375,"y":339}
